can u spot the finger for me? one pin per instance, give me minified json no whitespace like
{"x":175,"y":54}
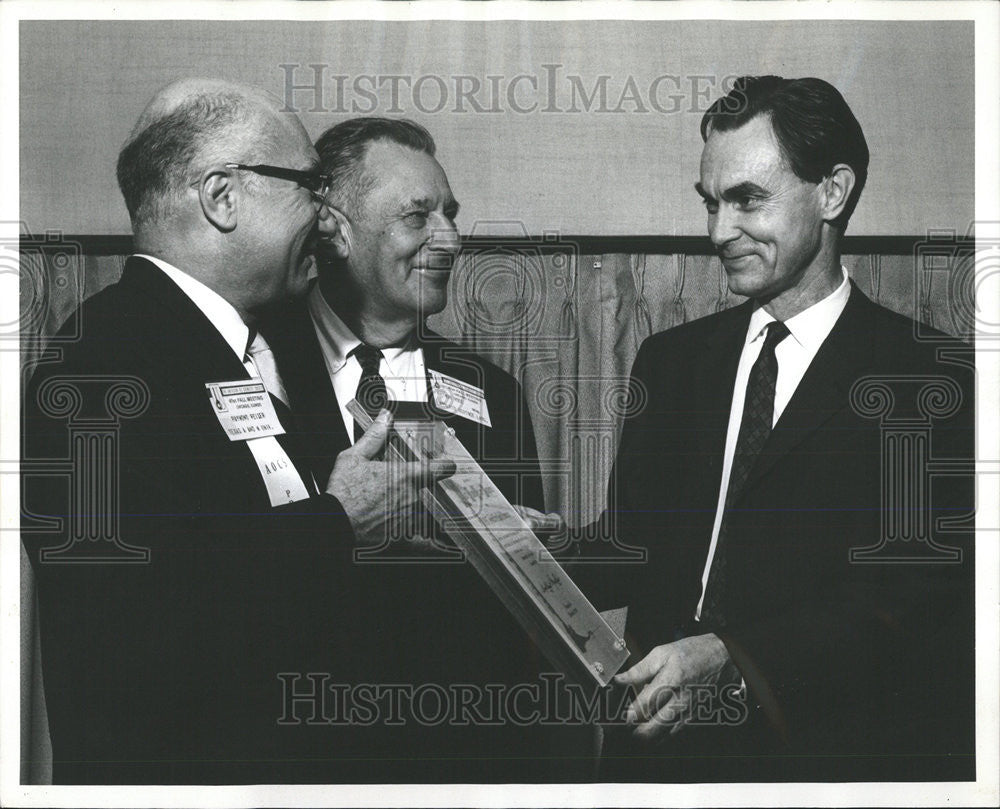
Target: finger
{"x":528,"y":514}
{"x":659,"y":725}
{"x":539,"y":522}
{"x":669,"y":719}
{"x":373,"y":441}
{"x":551,"y":523}
{"x":649,"y":701}
{"x":426,"y":473}
{"x":644,"y":670}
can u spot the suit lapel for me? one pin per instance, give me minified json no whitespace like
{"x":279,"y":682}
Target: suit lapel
{"x":713,"y":389}
{"x":199,"y":351}
{"x":293,"y":339}
{"x":445,"y":357}
{"x":824,"y":388}
{"x":197,"y":343}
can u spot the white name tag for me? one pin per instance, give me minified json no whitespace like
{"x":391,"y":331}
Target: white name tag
{"x":246,"y":412}
{"x":460,"y":398}
{"x":283,"y":482}
{"x":244,"y":409}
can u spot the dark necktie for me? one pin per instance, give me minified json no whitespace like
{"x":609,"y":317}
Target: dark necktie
{"x":371,"y":393}
{"x":755,"y":428}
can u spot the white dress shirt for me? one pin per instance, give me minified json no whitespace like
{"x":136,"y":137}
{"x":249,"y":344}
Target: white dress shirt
{"x":807,"y":331}
{"x":402,"y":368}
{"x":220,"y":312}
{"x":286,"y":486}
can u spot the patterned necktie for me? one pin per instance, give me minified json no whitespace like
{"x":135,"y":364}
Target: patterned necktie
{"x":755,"y":428}
{"x":371,"y":393}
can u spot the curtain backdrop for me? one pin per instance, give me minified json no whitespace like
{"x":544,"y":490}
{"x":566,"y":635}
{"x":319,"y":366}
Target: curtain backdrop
{"x":566,"y":323}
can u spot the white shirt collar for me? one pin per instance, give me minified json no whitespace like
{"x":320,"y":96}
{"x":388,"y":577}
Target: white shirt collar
{"x":811,"y":326}
{"x":220,"y":312}
{"x":339,"y":336}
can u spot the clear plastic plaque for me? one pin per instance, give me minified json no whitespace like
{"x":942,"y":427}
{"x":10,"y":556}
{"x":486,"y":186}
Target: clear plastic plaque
{"x":532,"y":585}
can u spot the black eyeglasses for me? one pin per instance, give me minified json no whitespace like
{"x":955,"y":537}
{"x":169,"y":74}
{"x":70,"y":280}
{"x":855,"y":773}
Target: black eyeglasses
{"x":317,"y":183}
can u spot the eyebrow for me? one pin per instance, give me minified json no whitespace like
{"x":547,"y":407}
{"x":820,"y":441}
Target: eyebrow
{"x":426,"y":202}
{"x":744,"y":189}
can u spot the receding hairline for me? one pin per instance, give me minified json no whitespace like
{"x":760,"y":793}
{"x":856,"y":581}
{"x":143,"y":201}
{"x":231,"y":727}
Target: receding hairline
{"x":363,"y":180}
{"x":772,"y":133}
{"x":172,"y":97}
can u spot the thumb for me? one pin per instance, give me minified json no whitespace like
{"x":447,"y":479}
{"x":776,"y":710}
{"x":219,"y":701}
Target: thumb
{"x":427,"y":473}
{"x":643,"y":671}
{"x":373,"y":441}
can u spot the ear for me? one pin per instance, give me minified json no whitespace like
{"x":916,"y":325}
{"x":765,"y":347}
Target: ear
{"x":335,"y":230}
{"x":217,"y":194}
{"x":837,"y":190}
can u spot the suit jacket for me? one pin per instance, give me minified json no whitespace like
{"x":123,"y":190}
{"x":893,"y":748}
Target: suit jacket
{"x":856,"y":670}
{"x":506,"y":450}
{"x":167,"y":671}
{"x":442,"y":622}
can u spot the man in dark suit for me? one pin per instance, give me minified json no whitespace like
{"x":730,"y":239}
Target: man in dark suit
{"x":386,"y":254}
{"x":775,"y":647}
{"x":162,"y":663}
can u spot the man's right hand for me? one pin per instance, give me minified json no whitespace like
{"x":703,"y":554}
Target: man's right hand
{"x":371,"y":491}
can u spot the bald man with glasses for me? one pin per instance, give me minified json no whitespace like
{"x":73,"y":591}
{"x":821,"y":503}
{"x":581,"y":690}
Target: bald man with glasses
{"x":170,"y":670}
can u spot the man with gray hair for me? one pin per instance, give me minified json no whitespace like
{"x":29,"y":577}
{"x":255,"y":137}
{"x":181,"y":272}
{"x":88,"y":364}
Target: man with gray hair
{"x":385,"y":257}
{"x":171,"y":671}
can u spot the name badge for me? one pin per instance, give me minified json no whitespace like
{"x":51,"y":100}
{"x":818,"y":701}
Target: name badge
{"x":284,"y":485}
{"x":460,"y":398}
{"x":244,"y":409}
{"x":246,"y":412}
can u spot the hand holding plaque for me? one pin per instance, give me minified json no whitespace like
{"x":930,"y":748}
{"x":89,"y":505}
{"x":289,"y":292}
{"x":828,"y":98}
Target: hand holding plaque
{"x":361,"y":482}
{"x":507,"y":554}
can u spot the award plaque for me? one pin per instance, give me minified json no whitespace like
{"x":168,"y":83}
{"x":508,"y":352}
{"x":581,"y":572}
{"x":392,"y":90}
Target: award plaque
{"x":587,"y":646}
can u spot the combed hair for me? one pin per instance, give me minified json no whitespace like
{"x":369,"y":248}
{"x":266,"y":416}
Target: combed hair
{"x":342,"y":150}
{"x":814,"y":126}
{"x":159,"y":162}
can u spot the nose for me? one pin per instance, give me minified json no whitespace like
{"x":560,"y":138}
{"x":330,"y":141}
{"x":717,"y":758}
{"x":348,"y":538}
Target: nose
{"x":723,"y":226}
{"x":444,"y":235}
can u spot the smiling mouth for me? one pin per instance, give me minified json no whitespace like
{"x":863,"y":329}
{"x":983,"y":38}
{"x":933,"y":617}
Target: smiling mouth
{"x":435,"y":268}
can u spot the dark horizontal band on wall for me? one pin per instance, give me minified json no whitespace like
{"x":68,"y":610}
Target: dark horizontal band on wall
{"x":584,"y":245}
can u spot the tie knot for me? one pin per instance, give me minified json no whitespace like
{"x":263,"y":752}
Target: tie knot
{"x":776,"y":332}
{"x":369,"y":357}
{"x":256,"y":344}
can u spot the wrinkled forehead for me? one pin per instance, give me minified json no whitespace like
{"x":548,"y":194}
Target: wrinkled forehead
{"x":386,"y":158}
{"x":405,"y":174}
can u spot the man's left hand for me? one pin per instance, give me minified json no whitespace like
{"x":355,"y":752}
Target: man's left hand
{"x":667,"y":675}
